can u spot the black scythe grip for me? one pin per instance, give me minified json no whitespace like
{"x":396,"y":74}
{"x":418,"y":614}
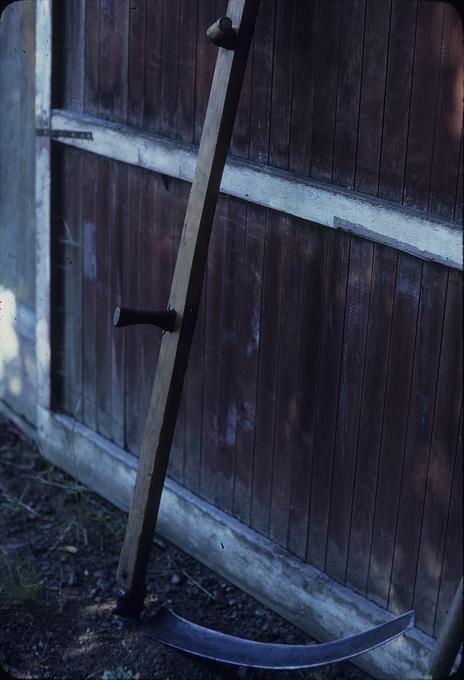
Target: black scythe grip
{"x":125,"y":316}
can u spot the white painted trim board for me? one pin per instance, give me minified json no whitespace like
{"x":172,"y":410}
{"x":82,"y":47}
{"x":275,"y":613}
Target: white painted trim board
{"x":43,"y":72}
{"x":382,"y":221}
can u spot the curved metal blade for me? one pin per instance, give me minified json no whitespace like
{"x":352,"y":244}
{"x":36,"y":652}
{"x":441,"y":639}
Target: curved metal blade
{"x":174,"y":631}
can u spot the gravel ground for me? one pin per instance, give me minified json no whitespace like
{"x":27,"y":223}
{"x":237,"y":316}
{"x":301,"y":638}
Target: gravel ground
{"x":58,"y":556}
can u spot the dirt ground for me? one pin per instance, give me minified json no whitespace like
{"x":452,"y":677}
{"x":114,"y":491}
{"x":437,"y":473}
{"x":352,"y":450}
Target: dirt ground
{"x":58,"y":555}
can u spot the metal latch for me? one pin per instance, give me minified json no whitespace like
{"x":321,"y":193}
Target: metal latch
{"x":74,"y":134}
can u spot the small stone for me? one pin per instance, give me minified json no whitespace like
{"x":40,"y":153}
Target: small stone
{"x":72,"y":578}
{"x":175,"y":579}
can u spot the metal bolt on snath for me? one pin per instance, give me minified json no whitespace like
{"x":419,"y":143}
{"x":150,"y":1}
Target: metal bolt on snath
{"x":232,"y":34}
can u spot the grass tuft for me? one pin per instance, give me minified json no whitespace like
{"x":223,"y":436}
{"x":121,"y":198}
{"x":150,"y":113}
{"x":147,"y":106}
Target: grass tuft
{"x":22,"y":588}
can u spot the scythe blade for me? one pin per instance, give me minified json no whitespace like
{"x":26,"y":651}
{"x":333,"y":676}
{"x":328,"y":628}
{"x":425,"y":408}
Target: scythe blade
{"x":174,"y":631}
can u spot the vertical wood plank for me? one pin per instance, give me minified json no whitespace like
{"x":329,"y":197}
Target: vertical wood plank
{"x":103,"y":326}
{"x":119,"y":271}
{"x":282,"y":83}
{"x":250,"y":336}
{"x":442,"y":458}
{"x":71,"y":260}
{"x":132,"y":254}
{"x":228,"y":406}
{"x":170,"y":67}
{"x":349,"y":405}
{"x":304,"y":58}
{"x":74,"y":53}
{"x":453,"y":555}
{"x":136,"y":56}
{"x":374,"y":67}
{"x":395,"y":422}
{"x":397,"y":99}
{"x":106,"y":79}
{"x":206,"y":53}
{"x":422,"y":400}
{"x":287,"y":405}
{"x":154,"y":65}
{"x":212,"y":348}
{"x":325,"y":96}
{"x":423,"y":98}
{"x":91,"y":35}
{"x":187,"y":59}
{"x":89,"y":281}
{"x":267,"y":377}
{"x":329,"y":378}
{"x":121,"y":60}
{"x":310,"y":349}
{"x":372,"y":406}
{"x":348,"y":93}
{"x":448,"y":122}
{"x":260,"y":113}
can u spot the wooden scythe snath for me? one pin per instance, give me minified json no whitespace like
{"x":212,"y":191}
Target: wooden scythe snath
{"x":232,"y":34}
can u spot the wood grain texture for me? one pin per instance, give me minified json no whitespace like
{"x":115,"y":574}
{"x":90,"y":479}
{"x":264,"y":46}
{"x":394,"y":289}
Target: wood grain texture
{"x":422,"y":114}
{"x":384,"y":272}
{"x":325,"y":95}
{"x":121,"y":225}
{"x":452,"y":558}
{"x":188,"y":30}
{"x":303,"y":74}
{"x":136,"y":57}
{"x":442,"y":459}
{"x":371,"y":106}
{"x":349,"y":405}
{"x":267,"y":374}
{"x":348,"y":93}
{"x":106,"y":58}
{"x":260,"y":113}
{"x":229,"y":323}
{"x":92,"y":73}
{"x":287,"y":406}
{"x":103,"y":329}
{"x":307,"y":395}
{"x":281,"y":97}
{"x":421,"y":411}
{"x":132,"y":298}
{"x":394,"y":427}
{"x":153,"y":64}
{"x":338,"y":249}
{"x":89,"y":279}
{"x":365,"y":95}
{"x":212,"y":349}
{"x":248,"y":361}
{"x":397,"y":99}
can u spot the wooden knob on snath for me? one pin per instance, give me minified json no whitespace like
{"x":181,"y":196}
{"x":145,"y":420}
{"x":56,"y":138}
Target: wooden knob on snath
{"x":222,"y":34}
{"x":125,"y":316}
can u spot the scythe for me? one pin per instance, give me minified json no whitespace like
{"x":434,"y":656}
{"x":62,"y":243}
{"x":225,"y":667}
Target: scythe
{"x":232,"y":34}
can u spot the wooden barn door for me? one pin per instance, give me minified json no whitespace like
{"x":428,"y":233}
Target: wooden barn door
{"x":323,"y":401}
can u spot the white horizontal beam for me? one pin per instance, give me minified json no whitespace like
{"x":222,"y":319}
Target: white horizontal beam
{"x":43,"y":76}
{"x":298,"y":592}
{"x":378,"y":220}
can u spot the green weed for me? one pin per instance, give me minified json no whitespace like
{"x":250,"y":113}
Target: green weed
{"x":22,"y":588}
